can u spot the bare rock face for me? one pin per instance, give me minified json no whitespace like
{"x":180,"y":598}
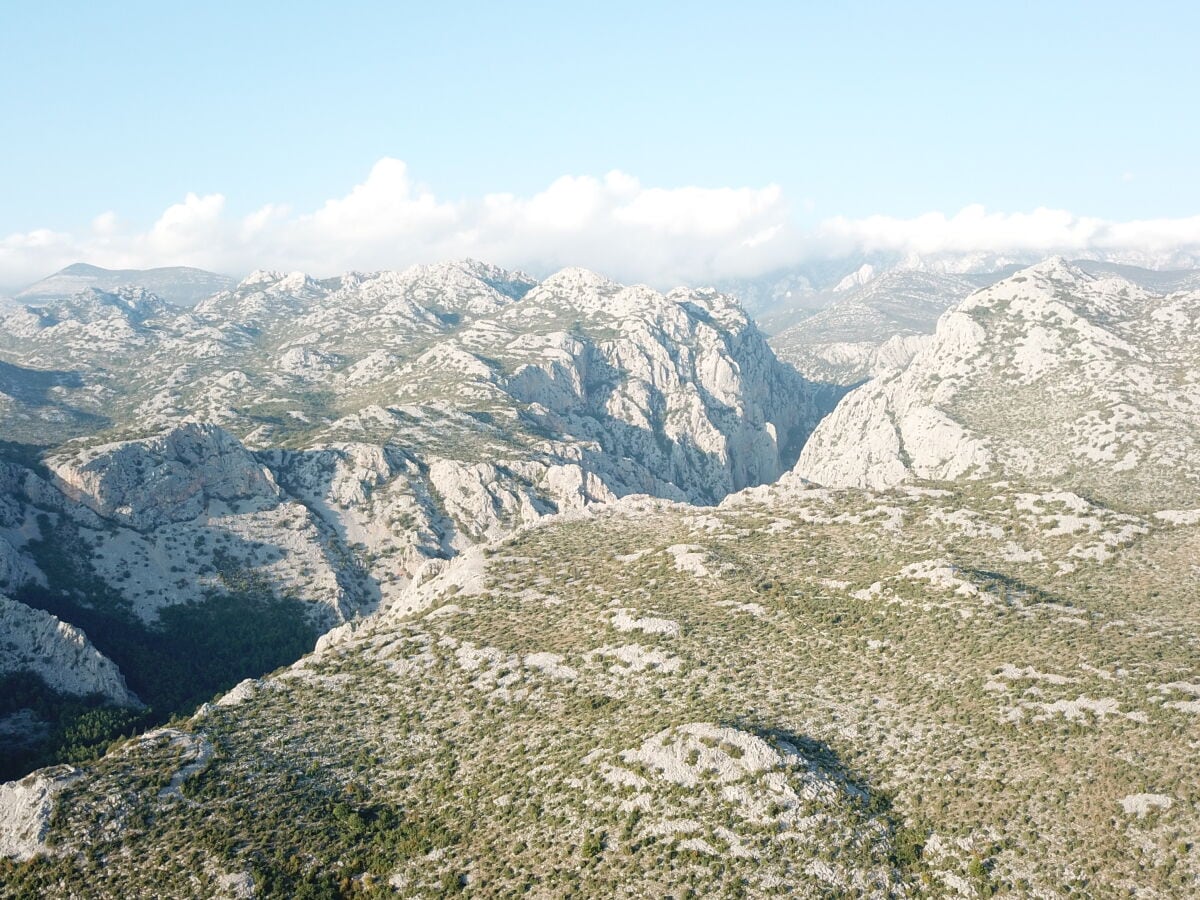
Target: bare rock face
{"x":872,"y":326}
{"x":326,"y":439}
{"x":20,"y":492}
{"x":15,"y":570}
{"x":682,"y":383}
{"x":25,"y":810}
{"x":486,"y":501}
{"x":171,"y":517}
{"x":1056,"y":375}
{"x":58,"y":652}
{"x":16,"y":526}
{"x":170,"y":478}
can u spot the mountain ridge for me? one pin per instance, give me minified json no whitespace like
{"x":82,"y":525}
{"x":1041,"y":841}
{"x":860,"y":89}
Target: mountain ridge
{"x":578,"y":635}
{"x":179,"y":285}
{"x":1090,"y":368}
{"x":312,"y":446}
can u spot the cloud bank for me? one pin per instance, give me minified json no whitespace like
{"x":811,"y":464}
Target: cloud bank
{"x":613,"y":224}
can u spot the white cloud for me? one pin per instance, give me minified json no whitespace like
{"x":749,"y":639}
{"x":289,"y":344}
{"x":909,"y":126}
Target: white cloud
{"x":105,"y":223}
{"x":974,"y":230}
{"x":699,"y":211}
{"x":614,"y":224}
{"x":385,"y":206}
{"x":187,"y":229}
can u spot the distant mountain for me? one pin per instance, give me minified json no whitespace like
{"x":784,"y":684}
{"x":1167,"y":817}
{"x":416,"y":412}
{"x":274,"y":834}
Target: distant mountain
{"x":875,"y":319}
{"x":1162,"y":281}
{"x":180,"y":285}
{"x":1082,"y":380}
{"x":778,"y":299}
{"x":871,"y":324}
{"x":786,"y":297}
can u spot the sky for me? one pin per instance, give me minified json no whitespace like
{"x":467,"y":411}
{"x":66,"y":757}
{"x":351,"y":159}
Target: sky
{"x":656,"y":141}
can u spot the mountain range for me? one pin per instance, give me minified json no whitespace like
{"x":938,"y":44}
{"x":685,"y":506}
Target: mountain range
{"x":562,"y":587}
{"x":303,"y":450}
{"x":180,"y":285}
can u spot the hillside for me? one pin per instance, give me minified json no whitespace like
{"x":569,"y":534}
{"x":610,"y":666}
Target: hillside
{"x":926,"y":691}
{"x":1088,"y":382}
{"x":290,"y":454}
{"x":579,"y":638}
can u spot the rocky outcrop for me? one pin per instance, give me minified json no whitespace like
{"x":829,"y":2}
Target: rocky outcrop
{"x":174,"y":477}
{"x":16,"y":527}
{"x":169,"y":518}
{"x":35,"y":641}
{"x":683,"y":383}
{"x":1052,"y":375}
{"x":15,"y":568}
{"x":25,"y":810}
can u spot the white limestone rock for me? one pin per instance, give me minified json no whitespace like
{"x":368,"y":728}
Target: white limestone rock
{"x":25,"y":810}
{"x":1141,"y":805}
{"x":1051,"y":375}
{"x":169,"y":478}
{"x":33,"y":640}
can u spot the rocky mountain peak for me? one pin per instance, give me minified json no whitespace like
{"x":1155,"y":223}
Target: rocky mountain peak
{"x":131,"y":303}
{"x":577,"y":280}
{"x":858,"y":278}
{"x":1054,"y":267}
{"x":1050,"y":374}
{"x":260,"y":278}
{"x":509,"y":283}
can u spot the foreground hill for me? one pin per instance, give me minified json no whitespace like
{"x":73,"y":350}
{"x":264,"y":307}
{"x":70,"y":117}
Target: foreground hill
{"x":802,"y":691}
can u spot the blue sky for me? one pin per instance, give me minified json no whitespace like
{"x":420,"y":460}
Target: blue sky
{"x":849,"y":109}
